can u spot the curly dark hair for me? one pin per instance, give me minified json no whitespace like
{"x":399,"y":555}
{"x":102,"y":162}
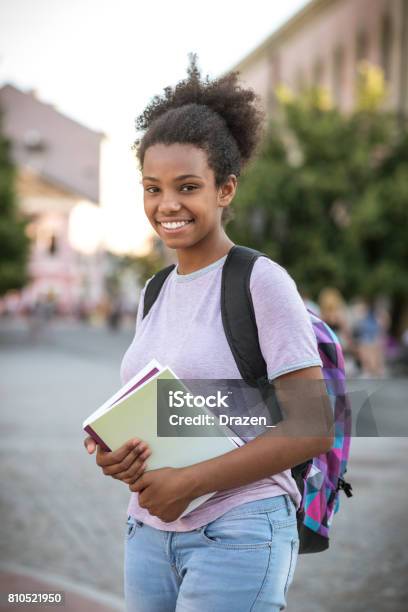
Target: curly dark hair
{"x":218,"y":116}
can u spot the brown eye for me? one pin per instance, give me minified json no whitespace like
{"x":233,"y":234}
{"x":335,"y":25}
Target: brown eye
{"x":188,"y":188}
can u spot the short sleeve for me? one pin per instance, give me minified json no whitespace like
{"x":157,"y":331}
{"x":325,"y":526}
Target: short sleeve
{"x":286,"y":335}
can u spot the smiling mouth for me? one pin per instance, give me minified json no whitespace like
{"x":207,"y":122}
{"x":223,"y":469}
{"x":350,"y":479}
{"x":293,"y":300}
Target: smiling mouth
{"x":175,"y":225}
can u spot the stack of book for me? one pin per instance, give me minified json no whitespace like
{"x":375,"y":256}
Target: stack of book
{"x":132,"y":412}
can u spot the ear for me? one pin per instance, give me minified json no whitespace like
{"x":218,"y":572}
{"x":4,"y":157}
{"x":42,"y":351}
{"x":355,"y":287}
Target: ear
{"x":227,"y":191}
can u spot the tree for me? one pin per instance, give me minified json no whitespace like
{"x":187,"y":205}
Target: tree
{"x":327,"y":196}
{"x":14,"y":243}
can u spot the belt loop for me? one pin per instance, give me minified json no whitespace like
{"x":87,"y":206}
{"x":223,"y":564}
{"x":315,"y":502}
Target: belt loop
{"x":287,"y":502}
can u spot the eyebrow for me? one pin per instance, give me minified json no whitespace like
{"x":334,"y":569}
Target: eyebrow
{"x":181,"y":177}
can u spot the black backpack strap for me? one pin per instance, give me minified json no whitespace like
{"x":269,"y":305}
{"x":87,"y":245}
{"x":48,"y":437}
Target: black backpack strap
{"x":154,"y":287}
{"x":238,"y":318}
{"x":238,"y":315}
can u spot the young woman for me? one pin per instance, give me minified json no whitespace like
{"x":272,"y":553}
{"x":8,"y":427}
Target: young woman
{"x":238,"y":550}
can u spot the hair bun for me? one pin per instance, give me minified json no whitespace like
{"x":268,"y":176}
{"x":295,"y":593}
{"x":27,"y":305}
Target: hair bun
{"x":239,"y":107}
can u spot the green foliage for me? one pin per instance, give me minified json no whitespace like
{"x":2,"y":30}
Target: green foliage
{"x":14,"y":243}
{"x":328,"y":196}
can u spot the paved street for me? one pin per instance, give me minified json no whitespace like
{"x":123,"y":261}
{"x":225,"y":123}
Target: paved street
{"x":61,"y":516}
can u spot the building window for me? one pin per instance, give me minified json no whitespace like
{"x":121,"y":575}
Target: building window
{"x":361,"y":55}
{"x":53,"y":245}
{"x":386,"y":46}
{"x":361,"y":46}
{"x":34,"y":142}
{"x":300,"y":81}
{"x":338,"y":74}
{"x":46,"y":239}
{"x":276,"y":69}
{"x":274,"y":81}
{"x":318,"y":72}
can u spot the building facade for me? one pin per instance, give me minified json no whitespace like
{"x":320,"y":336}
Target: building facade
{"x":58,"y":168}
{"x":322,"y":45}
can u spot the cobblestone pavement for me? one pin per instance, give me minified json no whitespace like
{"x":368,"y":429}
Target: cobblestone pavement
{"x":61,"y":515}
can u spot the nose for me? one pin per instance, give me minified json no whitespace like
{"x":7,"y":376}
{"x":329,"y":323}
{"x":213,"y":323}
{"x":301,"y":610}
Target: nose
{"x":169,"y":204}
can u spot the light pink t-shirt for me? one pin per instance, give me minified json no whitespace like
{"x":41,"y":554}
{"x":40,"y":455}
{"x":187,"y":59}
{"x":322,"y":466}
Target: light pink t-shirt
{"x":184,"y":330}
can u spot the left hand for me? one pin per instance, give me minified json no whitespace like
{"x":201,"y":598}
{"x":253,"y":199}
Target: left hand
{"x":165,"y":492}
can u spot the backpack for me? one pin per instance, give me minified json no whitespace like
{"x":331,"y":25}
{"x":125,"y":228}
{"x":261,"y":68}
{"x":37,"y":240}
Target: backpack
{"x":320,"y":479}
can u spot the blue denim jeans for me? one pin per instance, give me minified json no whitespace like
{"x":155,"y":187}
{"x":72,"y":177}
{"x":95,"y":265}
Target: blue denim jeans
{"x":242,"y":561}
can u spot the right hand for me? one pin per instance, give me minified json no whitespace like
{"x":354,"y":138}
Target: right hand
{"x":126,"y":463}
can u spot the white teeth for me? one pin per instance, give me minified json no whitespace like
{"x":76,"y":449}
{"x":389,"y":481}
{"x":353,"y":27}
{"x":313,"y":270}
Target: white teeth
{"x":174,"y":224}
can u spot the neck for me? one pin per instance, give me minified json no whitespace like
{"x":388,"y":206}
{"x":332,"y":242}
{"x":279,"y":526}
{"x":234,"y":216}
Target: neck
{"x":204,"y":253}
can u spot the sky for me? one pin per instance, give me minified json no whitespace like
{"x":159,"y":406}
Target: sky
{"x":101,"y":61}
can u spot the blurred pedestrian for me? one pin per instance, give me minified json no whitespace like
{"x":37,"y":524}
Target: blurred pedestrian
{"x":333,"y":310}
{"x":39,"y":317}
{"x":114,"y":317}
{"x":369,"y":332}
{"x":309,"y":303}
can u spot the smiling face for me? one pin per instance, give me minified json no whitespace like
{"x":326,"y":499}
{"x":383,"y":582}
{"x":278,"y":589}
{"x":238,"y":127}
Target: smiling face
{"x":181,"y":199}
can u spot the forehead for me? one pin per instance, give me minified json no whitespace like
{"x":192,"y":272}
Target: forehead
{"x":175,"y":159}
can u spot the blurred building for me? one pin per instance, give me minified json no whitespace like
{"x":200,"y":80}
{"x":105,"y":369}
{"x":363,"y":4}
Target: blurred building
{"x":58,"y":168}
{"x":322,"y":45}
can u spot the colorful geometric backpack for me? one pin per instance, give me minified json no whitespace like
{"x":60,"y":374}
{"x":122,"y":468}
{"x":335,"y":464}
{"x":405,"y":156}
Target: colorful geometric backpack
{"x":320,"y":479}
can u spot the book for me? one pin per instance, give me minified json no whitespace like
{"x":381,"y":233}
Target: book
{"x":132,"y":412}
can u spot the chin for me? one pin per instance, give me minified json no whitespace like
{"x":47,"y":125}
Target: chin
{"x":177,"y":243}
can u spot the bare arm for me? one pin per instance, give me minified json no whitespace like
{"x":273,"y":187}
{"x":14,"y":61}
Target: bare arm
{"x":304,"y":433}
{"x":277,"y":450}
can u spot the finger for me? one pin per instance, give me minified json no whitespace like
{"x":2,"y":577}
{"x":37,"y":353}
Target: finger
{"x":128,"y":461}
{"x":105,"y":458}
{"x":140,"y":484}
{"x":128,"y":469}
{"x":136,"y":475}
{"x":90,"y":444}
{"x":138,"y":453}
{"x":128,"y":465}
